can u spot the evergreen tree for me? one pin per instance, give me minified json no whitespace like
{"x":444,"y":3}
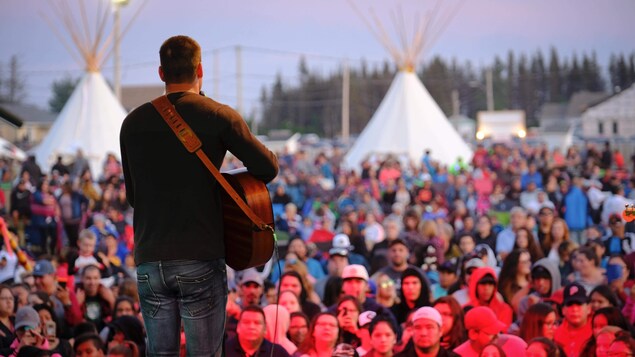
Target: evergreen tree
{"x":555,"y":78}
{"x":592,"y":78}
{"x":501,"y":100}
{"x":575,"y":80}
{"x":436,"y":79}
{"x":511,"y":81}
{"x":526,"y":89}
{"x":62,"y":90}
{"x":622,"y":73}
{"x":540,"y":83}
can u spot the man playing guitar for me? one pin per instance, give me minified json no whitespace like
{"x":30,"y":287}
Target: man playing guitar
{"x":178,"y":223}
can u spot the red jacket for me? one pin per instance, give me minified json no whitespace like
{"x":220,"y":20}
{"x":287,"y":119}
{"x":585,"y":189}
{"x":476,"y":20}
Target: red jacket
{"x":503,"y":311}
{"x":573,"y":340}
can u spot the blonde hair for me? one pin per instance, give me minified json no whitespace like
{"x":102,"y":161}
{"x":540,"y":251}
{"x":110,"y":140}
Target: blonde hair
{"x":429,"y":229}
{"x":87,"y":234}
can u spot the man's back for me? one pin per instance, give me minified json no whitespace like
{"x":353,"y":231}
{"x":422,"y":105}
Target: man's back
{"x":176,"y":200}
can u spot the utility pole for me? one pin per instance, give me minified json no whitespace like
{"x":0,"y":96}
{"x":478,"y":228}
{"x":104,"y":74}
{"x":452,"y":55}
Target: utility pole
{"x":456,"y":105}
{"x":239,"y":80}
{"x":118,"y":4}
{"x":490,"y":89}
{"x":345,"y":102}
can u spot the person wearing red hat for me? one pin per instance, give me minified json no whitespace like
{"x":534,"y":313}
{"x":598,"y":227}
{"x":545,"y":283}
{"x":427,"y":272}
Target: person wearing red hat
{"x":483,"y":328}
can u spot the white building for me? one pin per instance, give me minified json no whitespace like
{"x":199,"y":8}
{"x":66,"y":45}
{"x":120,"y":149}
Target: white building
{"x":613,"y":118}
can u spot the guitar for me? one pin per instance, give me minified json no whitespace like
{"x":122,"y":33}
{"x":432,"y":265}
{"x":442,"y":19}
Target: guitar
{"x":246,"y":246}
{"x":248,"y":229}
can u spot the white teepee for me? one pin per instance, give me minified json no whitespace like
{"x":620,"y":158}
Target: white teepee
{"x":90,"y":121}
{"x":92,"y":116}
{"x":408,"y":121}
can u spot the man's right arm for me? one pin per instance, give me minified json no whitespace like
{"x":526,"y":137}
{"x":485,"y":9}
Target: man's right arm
{"x":257,"y":158}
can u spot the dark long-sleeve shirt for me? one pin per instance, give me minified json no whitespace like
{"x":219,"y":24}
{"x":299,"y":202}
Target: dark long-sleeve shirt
{"x":233,"y":349}
{"x":176,"y":200}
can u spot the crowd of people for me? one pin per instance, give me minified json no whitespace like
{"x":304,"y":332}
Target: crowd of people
{"x":520,"y":251}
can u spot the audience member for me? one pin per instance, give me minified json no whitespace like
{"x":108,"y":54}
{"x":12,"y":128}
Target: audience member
{"x":250,"y":336}
{"x":575,"y":329}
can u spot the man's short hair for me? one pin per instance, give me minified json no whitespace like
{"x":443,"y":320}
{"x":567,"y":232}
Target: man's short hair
{"x":96,"y":340}
{"x":180,"y":56}
{"x":254,"y":308}
{"x":88,"y":268}
{"x":518,"y":210}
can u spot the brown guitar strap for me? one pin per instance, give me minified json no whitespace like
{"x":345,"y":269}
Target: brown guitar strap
{"x":193,"y":144}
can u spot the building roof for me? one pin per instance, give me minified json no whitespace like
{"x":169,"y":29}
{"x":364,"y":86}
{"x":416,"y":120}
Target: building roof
{"x":553,"y":111}
{"x":620,"y":104}
{"x":582,"y":101}
{"x":134,"y":96}
{"x":18,"y":114}
{"x":557,"y":117}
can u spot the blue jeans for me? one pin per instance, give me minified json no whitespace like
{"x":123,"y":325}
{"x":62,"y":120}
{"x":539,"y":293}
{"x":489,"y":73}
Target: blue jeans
{"x":191,"y":291}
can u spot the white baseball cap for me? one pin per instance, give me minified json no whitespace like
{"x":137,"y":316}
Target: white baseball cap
{"x":355,"y":271}
{"x":429,"y":313}
{"x":341,"y":240}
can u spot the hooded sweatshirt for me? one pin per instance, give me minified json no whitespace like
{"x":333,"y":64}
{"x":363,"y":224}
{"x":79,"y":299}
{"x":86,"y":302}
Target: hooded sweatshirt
{"x":402,"y":309}
{"x":554,"y":271}
{"x":278,"y":327}
{"x":491,"y":257}
{"x":503,"y":311}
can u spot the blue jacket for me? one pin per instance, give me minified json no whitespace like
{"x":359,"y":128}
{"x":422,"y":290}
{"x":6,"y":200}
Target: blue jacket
{"x":77,"y":201}
{"x":576,"y":211}
{"x":526,"y":178}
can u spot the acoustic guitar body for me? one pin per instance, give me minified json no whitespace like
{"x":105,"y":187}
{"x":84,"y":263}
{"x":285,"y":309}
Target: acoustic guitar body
{"x":246,"y":247}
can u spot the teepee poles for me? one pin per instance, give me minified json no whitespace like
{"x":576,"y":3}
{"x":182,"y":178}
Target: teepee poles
{"x":90,"y":42}
{"x":406,"y":50}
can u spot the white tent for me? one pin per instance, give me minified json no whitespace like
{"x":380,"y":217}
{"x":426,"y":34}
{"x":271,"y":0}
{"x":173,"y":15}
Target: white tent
{"x":92,"y":116}
{"x":90,"y":121}
{"x":408,"y":121}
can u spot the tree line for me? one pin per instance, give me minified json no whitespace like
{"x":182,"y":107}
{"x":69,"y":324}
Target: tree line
{"x":520,"y":81}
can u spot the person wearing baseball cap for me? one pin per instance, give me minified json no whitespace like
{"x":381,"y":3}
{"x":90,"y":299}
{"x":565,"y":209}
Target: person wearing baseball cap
{"x":341,"y":245}
{"x":337,"y":261}
{"x":483,"y":328}
{"x":355,"y":283}
{"x":576,"y":327}
{"x":426,"y":336}
{"x":64,"y":300}
{"x":27,"y":332}
{"x":398,"y":254}
{"x":364,"y":320}
{"x":448,"y":276}
{"x":251,"y":288}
